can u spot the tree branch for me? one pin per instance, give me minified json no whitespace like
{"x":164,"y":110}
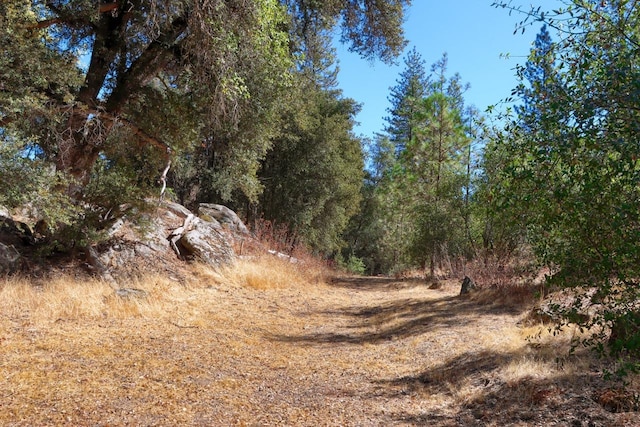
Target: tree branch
{"x":57,"y":20}
{"x":156,"y":56}
{"x":137,"y":131}
{"x":163,"y":180}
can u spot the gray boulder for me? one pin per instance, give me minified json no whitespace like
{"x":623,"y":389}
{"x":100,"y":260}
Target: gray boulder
{"x":169,"y":232}
{"x":223,"y":215}
{"x":14,"y":235}
{"x":9,"y":259}
{"x":204,"y":242}
{"x":4,"y":213}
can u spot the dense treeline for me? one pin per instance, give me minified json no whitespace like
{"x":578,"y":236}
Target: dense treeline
{"x":104,"y":103}
{"x":559,"y":175}
{"x":418,"y":196}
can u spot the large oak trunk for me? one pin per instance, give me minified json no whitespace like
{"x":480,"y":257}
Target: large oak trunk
{"x":78,"y":153}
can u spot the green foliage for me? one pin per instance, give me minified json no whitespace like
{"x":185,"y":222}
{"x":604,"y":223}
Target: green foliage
{"x":434,"y":165}
{"x":31,"y":182}
{"x":30,"y":72}
{"x":226,"y":165}
{"x":373,"y":29}
{"x":353,"y":265}
{"x":365,"y":231}
{"x":313,"y":174}
{"x":107,"y":96}
{"x":229,"y":157}
{"x":411,"y":87}
{"x":418,"y":212}
{"x":503,"y":227}
{"x":150,"y":90}
{"x":573,"y":158}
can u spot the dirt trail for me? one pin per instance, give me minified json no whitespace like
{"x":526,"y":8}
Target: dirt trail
{"x":358,"y":352}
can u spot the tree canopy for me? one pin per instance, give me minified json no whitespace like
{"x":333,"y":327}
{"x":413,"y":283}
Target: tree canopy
{"x":113,"y":93}
{"x":572,"y":150}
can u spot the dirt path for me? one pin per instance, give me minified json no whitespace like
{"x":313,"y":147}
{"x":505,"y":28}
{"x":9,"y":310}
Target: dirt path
{"x":358,"y":352}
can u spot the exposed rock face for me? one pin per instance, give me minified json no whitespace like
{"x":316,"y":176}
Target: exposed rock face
{"x":205,"y":242}
{"x":9,"y":259}
{"x":223,"y":215}
{"x":173,"y":232}
{"x":12,"y":235}
{"x":168,"y":235}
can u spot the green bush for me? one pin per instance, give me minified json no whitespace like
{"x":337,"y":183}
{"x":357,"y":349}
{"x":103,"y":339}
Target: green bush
{"x":355,"y":265}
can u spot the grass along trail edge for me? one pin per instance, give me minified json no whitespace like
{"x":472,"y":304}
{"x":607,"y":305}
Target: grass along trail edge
{"x":264,"y":343}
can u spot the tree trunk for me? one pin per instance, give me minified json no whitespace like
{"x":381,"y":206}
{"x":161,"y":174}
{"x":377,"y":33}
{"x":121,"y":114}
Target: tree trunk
{"x":79,"y":151}
{"x":80,"y":146}
{"x":89,"y":125}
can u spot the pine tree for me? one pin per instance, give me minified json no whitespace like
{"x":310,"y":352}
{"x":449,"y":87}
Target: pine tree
{"x":420,"y":195}
{"x":435,"y":165}
{"x":536,"y":77}
{"x":411,"y":87}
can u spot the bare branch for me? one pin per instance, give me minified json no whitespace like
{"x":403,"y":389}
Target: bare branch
{"x":163,"y":180}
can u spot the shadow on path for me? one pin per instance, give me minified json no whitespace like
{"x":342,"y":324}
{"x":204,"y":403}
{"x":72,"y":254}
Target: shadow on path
{"x":395,"y":319}
{"x":540,"y":400}
{"x":376,"y":283}
{"x":473,"y":380}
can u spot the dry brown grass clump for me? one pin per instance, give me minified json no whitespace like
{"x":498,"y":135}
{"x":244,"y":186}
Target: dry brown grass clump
{"x":517,"y":296}
{"x":270,"y":272}
{"x":65,"y":298}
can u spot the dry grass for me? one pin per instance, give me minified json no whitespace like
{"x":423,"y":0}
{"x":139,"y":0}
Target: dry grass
{"x":267,"y":342}
{"x":67,"y":299}
{"x":271,"y":272}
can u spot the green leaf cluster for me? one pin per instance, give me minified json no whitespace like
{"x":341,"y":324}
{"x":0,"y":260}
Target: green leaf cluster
{"x":572,"y":173}
{"x":235,"y":97}
{"x":313,"y":174}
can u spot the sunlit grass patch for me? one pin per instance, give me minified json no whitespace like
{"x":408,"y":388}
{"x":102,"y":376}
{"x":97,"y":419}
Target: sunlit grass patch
{"x":59,"y":298}
{"x":262,"y":337}
{"x":67,"y":298}
{"x":267,"y":272}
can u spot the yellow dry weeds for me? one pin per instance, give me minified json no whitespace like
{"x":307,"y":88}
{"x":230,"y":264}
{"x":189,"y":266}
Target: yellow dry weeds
{"x":267,"y":343}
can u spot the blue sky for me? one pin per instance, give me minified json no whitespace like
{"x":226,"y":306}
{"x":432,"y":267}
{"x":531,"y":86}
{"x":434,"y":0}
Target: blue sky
{"x":472,"y":32}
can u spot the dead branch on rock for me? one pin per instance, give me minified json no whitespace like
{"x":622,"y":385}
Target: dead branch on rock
{"x":179,"y":232}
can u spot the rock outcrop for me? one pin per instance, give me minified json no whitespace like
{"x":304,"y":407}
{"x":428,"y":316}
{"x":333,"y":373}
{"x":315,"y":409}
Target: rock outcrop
{"x":222,"y":215}
{"x":205,"y":241}
{"x":13,"y":236}
{"x":9,"y":259}
{"x":167,"y":237}
{"x":173,"y":232}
